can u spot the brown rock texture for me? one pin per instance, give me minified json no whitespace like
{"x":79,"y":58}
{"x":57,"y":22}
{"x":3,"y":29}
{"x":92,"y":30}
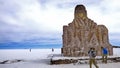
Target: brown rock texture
{"x":83,"y":33}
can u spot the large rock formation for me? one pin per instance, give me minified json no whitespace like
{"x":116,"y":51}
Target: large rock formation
{"x":83,"y":33}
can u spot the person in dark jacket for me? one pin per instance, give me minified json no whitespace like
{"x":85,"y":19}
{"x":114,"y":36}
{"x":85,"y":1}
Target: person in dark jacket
{"x":92,"y":55}
{"x":104,"y":54}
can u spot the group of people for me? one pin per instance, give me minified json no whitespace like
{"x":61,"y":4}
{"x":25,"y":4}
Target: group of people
{"x":92,"y":55}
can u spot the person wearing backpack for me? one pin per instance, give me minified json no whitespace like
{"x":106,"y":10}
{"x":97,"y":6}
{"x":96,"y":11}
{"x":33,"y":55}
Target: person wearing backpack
{"x":92,"y":55}
{"x":104,"y":54}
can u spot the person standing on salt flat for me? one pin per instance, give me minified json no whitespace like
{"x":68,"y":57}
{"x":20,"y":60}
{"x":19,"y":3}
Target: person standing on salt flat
{"x":52,"y":50}
{"x":92,"y":55}
{"x":104,"y":54}
{"x":30,"y":50}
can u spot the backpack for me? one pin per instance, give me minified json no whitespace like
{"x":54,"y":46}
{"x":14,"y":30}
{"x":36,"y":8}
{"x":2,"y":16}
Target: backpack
{"x":92,"y":53}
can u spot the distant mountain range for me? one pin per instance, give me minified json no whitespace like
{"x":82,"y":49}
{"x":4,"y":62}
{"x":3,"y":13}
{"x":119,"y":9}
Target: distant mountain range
{"x":116,"y":46}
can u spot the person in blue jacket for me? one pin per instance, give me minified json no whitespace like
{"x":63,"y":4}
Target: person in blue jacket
{"x":104,"y":54}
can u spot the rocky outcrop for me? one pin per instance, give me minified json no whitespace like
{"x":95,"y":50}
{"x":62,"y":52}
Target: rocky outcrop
{"x":83,"y":33}
{"x":81,"y":60}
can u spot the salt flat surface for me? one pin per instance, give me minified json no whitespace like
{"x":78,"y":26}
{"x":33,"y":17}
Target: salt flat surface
{"x":40,"y":58}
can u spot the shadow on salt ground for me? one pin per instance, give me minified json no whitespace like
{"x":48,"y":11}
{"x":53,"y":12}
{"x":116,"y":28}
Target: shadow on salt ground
{"x":39,"y":61}
{"x":56,"y":55}
{"x":44,"y":61}
{"x":11,"y":61}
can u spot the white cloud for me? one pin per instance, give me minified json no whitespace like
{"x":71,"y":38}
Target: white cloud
{"x":50,"y":18}
{"x":107,"y":13}
{"x":37,"y":18}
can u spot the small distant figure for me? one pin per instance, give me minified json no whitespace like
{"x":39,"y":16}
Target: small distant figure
{"x":30,"y":50}
{"x":92,"y":55}
{"x":104,"y":54}
{"x":52,"y":50}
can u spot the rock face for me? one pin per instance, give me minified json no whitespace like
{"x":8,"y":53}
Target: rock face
{"x":83,"y":33}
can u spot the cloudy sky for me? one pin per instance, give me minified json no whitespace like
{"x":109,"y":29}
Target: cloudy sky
{"x":41,"y":21}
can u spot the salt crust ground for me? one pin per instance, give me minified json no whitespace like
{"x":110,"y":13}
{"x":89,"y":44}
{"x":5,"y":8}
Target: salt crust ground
{"x":39,"y":58}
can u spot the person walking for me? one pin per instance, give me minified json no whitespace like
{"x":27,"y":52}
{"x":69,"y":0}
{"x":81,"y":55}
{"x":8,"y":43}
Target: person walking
{"x":92,"y":55}
{"x":30,"y":50}
{"x":104,"y":54}
{"x":52,"y":50}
